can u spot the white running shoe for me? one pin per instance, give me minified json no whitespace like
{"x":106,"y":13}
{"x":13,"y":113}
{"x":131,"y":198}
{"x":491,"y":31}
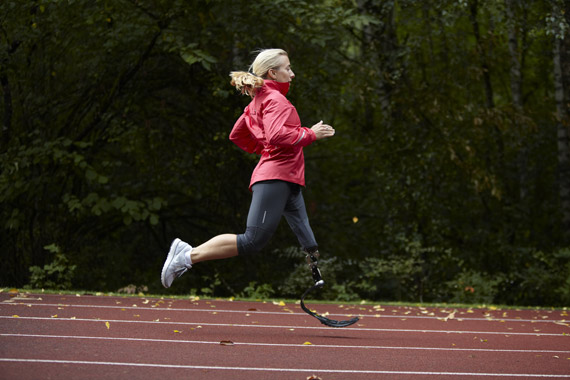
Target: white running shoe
{"x":175,"y":264}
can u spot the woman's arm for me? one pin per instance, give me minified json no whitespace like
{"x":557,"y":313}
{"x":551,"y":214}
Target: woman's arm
{"x":282,"y":125}
{"x":242,"y":137}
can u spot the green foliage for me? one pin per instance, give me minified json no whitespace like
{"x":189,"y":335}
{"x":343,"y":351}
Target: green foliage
{"x":212,"y":284}
{"x":474,"y":288}
{"x":401,"y":274}
{"x":563,"y":290}
{"x":536,"y":277}
{"x":410,"y":271}
{"x":56,"y":275}
{"x":255,"y":291}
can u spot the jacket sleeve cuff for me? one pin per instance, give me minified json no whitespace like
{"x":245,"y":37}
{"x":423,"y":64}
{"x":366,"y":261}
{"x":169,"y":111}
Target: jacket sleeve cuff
{"x":311,"y":134}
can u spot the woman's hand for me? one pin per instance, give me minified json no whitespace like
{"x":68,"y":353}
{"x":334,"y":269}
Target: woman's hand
{"x":322,"y":130}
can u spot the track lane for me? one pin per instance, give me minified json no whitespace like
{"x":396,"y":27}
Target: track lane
{"x":214,"y":354}
{"x":436,"y":342}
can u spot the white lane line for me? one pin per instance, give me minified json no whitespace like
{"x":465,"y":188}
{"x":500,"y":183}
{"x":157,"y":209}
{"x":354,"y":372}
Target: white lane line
{"x":284,"y":344}
{"x":99,"y":320}
{"x":400,"y":316}
{"x":261,"y":369}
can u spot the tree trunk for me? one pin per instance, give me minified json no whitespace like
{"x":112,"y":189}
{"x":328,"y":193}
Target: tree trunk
{"x":7,"y":119}
{"x":516,"y":52}
{"x":388,"y":50}
{"x":379,"y":47}
{"x":7,"y":98}
{"x":484,"y":65}
{"x":516,"y":77}
{"x":561,"y":53}
{"x":489,"y":97}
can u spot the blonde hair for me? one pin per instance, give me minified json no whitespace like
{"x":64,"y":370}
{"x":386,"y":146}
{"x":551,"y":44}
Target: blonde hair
{"x":249,"y":82}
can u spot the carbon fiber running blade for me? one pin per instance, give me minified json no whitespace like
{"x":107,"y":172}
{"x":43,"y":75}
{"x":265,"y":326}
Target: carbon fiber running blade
{"x":324,"y":320}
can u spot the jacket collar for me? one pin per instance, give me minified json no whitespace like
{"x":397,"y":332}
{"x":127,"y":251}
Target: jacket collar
{"x":282,"y":87}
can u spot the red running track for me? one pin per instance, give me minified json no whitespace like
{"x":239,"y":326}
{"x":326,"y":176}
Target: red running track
{"x":103,"y":337}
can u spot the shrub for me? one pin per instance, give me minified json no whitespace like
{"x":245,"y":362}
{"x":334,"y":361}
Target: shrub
{"x":255,"y":291}
{"x":55,"y":275}
{"x":474,"y":287}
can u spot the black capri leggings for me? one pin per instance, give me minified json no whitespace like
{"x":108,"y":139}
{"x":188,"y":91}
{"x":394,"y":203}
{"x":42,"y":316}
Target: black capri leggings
{"x":271,"y":200}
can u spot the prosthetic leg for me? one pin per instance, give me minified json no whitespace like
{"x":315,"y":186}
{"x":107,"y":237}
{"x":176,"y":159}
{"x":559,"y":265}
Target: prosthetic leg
{"x":312,"y":257}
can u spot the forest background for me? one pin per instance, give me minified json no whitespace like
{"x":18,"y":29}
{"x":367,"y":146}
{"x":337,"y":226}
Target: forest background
{"x":448,"y":179}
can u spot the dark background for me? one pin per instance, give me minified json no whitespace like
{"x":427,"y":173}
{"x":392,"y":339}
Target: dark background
{"x":447,"y":181}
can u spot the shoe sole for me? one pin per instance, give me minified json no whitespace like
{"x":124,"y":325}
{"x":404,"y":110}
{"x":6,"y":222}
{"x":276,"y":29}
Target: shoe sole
{"x":169,"y":258}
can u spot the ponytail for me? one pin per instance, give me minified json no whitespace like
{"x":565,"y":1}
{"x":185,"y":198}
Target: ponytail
{"x":246,"y":83}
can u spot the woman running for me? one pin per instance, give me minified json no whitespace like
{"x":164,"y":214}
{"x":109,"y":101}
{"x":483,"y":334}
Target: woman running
{"x":270,"y":127}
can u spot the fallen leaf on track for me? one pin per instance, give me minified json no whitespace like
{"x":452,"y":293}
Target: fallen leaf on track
{"x":226,"y":343}
{"x":450,"y":316}
{"x":314,"y":377}
{"x":307,"y":343}
{"x":108,"y":325}
{"x":177,"y":331}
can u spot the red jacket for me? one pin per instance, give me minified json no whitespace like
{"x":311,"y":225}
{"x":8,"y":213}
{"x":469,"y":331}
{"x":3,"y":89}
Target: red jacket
{"x":270,"y":126}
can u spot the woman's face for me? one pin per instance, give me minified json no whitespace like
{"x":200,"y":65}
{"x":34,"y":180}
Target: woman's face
{"x":283,"y":73}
